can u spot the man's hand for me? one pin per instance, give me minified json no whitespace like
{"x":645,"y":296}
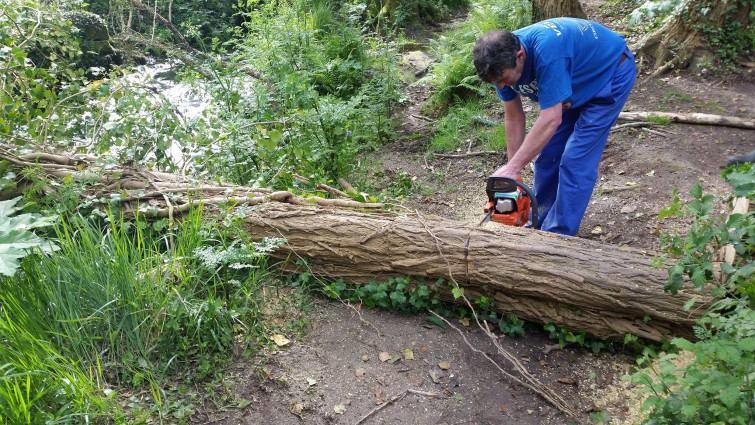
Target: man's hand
{"x":507,"y":171}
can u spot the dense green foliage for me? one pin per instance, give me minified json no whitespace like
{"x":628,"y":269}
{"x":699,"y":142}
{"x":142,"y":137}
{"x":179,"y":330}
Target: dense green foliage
{"x":717,"y":387}
{"x":329,"y":86}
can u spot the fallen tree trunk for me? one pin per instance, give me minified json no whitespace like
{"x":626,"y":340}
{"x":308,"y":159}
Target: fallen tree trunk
{"x":692,"y":118}
{"x":543,"y":277}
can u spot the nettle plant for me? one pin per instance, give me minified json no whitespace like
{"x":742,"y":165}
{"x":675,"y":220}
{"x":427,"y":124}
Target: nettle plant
{"x":718,"y":386}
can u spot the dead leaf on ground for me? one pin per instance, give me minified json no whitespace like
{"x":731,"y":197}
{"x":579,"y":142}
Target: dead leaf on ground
{"x":360,"y":372}
{"x":464,"y":321}
{"x":365,"y":358}
{"x":416,"y":381}
{"x":297,"y":408}
{"x":444,"y":365}
{"x":628,"y":209}
{"x":394,"y":359}
{"x":435,"y":376}
{"x":503,"y":409}
{"x":384,"y":356}
{"x":408,"y":354}
{"x":339,"y":409}
{"x":281,"y":340}
{"x":567,"y":381}
{"x":597,"y":230}
{"x":380,"y":396}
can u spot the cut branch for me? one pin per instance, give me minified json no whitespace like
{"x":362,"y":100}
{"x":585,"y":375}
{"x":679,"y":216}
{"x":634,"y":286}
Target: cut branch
{"x":465,"y":155}
{"x":692,"y":118}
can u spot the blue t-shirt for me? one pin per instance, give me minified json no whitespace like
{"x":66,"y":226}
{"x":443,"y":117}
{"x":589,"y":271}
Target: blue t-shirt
{"x":568,"y":60}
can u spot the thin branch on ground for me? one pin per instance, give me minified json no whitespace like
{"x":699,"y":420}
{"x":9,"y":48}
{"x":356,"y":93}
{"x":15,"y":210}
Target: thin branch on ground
{"x":464,"y":155}
{"x":394,"y":399}
{"x":657,"y":133}
{"x":633,"y":124}
{"x":527,"y":379}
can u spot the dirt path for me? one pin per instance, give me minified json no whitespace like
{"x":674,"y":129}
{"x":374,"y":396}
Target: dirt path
{"x":323,"y":379}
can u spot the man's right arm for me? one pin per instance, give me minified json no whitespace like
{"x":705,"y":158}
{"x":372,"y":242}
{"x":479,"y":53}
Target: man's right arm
{"x":514,"y":124}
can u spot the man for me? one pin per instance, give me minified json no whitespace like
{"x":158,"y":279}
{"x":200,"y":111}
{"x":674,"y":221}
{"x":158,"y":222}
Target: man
{"x":581,"y":74}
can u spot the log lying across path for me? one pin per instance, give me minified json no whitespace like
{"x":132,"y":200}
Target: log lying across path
{"x":586,"y":286}
{"x":583,"y":285}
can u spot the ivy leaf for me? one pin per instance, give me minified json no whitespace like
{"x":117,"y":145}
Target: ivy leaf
{"x":434,"y":320}
{"x":457,"y":292}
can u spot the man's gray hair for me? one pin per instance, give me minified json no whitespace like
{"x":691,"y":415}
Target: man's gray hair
{"x":494,"y":52}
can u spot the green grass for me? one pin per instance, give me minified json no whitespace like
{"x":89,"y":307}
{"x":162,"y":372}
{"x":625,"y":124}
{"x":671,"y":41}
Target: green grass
{"x":466,"y":122}
{"x":116,"y":306}
{"x":658,"y":120}
{"x":670,"y":95}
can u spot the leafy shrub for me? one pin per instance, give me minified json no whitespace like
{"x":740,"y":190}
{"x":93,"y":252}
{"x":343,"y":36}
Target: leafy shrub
{"x":717,"y":386}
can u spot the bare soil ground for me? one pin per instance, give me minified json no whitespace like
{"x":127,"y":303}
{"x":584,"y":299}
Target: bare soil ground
{"x":333,"y":374}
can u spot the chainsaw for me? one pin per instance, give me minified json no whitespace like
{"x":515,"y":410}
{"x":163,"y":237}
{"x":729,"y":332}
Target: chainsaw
{"x":509,"y":202}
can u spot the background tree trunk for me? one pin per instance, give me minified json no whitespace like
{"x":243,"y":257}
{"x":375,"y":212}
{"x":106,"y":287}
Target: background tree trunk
{"x":545,"y":9}
{"x":680,"y":41}
{"x":543,"y":277}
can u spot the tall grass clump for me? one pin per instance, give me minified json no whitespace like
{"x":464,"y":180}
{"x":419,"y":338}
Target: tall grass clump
{"x":453,"y":76}
{"x":38,"y":384}
{"x":128,"y":305}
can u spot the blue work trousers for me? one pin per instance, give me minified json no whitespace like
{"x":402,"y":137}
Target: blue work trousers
{"x":567,"y":168}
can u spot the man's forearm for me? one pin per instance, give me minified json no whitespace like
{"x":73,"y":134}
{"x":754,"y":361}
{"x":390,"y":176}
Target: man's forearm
{"x":539,"y":135}
{"x":514,"y":136}
{"x":514,"y":123}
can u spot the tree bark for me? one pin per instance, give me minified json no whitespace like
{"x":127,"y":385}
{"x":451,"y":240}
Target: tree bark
{"x":692,"y":118}
{"x":681,"y":41}
{"x":546,"y":9}
{"x":543,"y":277}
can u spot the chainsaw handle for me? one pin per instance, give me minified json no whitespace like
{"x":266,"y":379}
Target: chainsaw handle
{"x":533,"y":201}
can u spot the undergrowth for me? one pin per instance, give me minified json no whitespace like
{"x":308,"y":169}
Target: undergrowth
{"x":718,"y":385}
{"x":120,"y":305}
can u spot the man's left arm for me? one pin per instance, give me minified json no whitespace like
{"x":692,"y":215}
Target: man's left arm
{"x":541,"y":132}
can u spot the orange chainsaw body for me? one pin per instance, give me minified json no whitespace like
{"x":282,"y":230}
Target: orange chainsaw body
{"x":518,"y":217}
{"x":509,"y":201}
